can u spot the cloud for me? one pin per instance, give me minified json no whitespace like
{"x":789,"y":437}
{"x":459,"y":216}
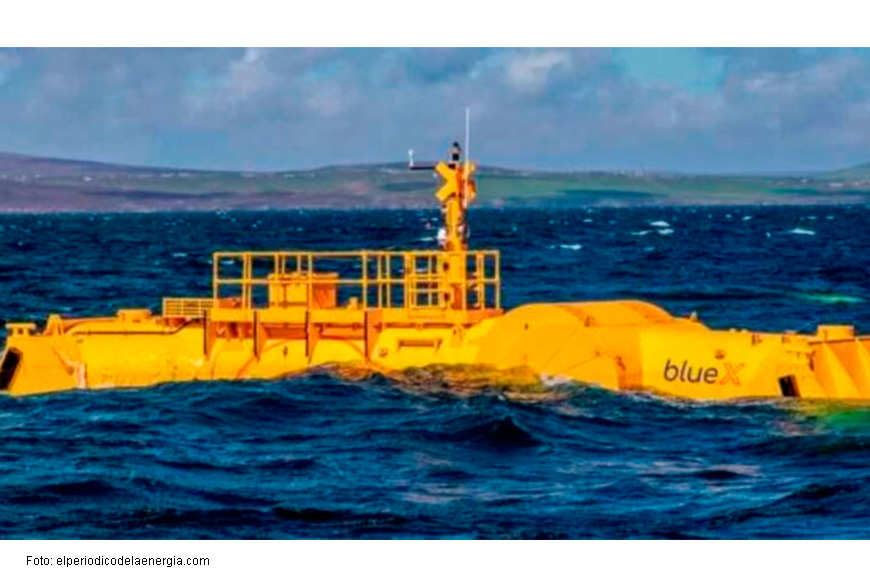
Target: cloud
{"x":817,"y":104}
{"x":9,"y":61}
{"x":529,"y":72}
{"x":250,"y":75}
{"x":741,"y":109}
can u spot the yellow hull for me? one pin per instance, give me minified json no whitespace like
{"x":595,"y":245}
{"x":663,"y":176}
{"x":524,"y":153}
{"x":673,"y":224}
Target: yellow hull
{"x":623,"y":345}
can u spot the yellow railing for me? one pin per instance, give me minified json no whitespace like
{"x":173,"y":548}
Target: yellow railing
{"x":187,"y":307}
{"x":368,"y":279}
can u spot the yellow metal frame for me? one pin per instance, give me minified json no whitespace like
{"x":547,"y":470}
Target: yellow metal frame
{"x":386,"y":279}
{"x":187,"y":307}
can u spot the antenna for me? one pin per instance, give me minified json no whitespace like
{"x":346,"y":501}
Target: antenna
{"x":467,"y":167}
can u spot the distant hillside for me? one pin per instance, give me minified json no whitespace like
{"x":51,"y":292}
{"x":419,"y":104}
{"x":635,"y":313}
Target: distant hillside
{"x":856,"y":173}
{"x":36,"y":184}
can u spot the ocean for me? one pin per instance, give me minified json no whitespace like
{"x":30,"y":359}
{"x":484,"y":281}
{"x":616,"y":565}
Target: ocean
{"x":321,"y":456}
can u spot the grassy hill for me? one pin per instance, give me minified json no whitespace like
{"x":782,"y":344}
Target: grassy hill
{"x":855,"y":173}
{"x":36,"y":184}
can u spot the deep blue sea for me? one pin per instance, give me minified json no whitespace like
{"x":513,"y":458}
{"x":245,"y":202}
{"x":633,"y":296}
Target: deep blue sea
{"x":323,"y":457}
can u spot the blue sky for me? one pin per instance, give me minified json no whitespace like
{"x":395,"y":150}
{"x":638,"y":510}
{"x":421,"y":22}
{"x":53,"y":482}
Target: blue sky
{"x":686,"y":109}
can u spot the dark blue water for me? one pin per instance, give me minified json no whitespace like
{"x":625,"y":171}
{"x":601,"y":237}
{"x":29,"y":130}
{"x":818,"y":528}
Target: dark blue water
{"x":318,"y":456}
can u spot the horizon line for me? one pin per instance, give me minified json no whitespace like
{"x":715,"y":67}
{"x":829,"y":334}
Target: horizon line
{"x":781,"y":173}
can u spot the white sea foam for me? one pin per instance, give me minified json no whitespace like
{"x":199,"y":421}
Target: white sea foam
{"x":555,"y":380}
{"x":660,"y":224}
{"x":827,"y":298}
{"x":574,"y":247}
{"x":641,"y":233}
{"x":179,"y":254}
{"x":802,"y":232}
{"x":665,"y":232}
{"x":746,"y":218}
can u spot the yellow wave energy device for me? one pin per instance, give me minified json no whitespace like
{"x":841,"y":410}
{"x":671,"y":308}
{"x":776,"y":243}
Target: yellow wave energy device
{"x":276,"y":313}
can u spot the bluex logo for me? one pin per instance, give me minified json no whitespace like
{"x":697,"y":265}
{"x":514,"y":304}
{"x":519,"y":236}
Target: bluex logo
{"x":687,"y":373}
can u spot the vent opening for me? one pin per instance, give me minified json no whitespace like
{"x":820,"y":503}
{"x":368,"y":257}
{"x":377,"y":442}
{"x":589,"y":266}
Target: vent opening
{"x":788,"y":386}
{"x":8,"y":367}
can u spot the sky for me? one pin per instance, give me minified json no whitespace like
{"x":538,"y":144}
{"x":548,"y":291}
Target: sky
{"x":685,"y":109}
